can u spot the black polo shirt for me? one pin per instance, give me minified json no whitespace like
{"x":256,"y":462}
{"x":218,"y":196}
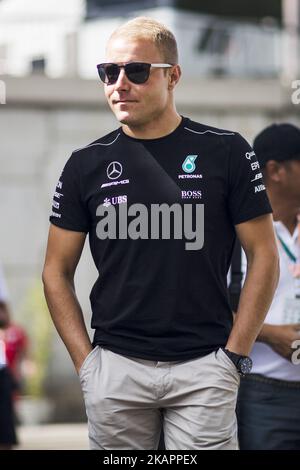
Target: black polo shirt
{"x":154,"y":298}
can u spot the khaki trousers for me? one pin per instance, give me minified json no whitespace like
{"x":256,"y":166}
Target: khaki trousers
{"x":124,"y":397}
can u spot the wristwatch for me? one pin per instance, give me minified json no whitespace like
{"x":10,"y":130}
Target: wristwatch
{"x":242,"y":363}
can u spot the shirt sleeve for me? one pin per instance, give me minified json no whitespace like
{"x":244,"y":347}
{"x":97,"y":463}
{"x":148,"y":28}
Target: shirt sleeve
{"x":68,"y":208}
{"x":247,"y":192}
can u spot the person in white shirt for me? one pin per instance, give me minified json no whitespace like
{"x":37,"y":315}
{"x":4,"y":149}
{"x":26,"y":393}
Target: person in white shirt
{"x":268,"y":405}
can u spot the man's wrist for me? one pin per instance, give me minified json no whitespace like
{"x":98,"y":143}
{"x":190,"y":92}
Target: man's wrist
{"x":242,"y":362}
{"x":237,"y":349}
{"x":81,"y":358}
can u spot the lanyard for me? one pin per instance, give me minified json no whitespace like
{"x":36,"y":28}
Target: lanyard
{"x":286,"y":249}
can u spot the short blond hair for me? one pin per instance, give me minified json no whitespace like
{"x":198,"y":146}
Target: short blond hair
{"x":144,"y":27}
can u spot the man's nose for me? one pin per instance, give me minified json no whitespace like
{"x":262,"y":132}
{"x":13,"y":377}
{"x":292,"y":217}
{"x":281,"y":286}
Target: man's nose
{"x":122,"y":82}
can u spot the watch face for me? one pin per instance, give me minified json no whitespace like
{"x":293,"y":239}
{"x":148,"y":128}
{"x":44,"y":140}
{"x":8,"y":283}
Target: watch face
{"x":245,"y":365}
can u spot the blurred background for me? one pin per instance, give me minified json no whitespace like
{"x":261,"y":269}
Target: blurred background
{"x":241,"y":71}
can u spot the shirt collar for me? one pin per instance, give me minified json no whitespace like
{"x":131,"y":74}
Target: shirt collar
{"x":284,"y":233}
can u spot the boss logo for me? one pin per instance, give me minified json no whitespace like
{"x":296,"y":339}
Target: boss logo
{"x":191,"y":194}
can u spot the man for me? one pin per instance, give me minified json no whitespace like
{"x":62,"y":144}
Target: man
{"x":160,"y":307}
{"x":268,"y":405}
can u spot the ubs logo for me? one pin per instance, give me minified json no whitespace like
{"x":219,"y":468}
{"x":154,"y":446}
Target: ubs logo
{"x":114,"y":200}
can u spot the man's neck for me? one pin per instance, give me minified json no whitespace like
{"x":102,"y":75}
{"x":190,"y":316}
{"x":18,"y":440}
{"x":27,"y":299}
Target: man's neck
{"x":284,"y":211}
{"x":155,"y":129}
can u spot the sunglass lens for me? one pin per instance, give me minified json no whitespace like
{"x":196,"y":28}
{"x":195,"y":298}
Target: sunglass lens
{"x":108,"y":73}
{"x":112,"y":72}
{"x":101,"y":72}
{"x":137,"y":72}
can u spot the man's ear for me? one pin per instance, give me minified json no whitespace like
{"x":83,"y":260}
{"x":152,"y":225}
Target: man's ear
{"x":273,"y":170}
{"x":174,"y":76}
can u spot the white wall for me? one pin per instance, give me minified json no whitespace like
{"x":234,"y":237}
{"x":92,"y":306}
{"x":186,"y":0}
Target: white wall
{"x":29,"y":29}
{"x":56,"y":31}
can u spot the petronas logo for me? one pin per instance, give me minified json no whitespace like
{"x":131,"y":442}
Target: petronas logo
{"x":188,"y":165}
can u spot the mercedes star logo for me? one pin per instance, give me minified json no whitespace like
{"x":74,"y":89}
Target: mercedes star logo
{"x":114,"y":170}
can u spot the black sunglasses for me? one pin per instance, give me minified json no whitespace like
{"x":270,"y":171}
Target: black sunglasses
{"x":136,"y":72}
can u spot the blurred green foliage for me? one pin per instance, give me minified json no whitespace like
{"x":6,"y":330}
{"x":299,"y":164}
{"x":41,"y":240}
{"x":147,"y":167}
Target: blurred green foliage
{"x":37,"y":322}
